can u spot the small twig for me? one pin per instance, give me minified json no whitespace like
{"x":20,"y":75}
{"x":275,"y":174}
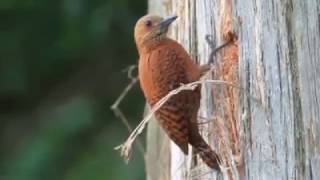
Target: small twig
{"x":129,"y":70}
{"x":134,"y":80}
{"x":115,"y":106}
{"x":214,"y":49}
{"x":125,"y":148}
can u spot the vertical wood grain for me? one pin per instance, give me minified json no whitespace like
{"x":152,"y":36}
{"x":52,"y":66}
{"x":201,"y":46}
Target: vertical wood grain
{"x":279,"y":61}
{"x":278,"y":65}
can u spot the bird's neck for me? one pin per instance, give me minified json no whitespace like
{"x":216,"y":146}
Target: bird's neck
{"x":149,"y":46}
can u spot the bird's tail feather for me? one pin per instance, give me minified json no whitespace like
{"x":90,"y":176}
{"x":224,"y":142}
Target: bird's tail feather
{"x":210,"y":157}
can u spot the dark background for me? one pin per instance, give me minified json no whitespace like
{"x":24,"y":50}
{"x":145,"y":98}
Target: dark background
{"x":61,"y":65}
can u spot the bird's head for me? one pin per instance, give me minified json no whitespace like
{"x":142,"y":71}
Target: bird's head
{"x":151,"y":29}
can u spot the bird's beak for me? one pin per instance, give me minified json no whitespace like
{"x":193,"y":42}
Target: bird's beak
{"x":164,"y":24}
{"x":167,"y":21}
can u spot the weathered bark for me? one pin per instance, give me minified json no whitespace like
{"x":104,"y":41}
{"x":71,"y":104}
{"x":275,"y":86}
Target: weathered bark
{"x":279,"y":61}
{"x":274,"y":122}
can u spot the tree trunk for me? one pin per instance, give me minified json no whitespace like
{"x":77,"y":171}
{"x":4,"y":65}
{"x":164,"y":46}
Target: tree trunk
{"x":270,"y":129}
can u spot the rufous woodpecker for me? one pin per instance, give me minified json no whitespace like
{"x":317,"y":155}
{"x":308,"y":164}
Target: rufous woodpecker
{"x":163,"y":65}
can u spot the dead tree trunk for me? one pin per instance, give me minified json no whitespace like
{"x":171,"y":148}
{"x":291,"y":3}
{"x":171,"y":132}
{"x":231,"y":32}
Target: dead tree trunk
{"x":270,"y":129}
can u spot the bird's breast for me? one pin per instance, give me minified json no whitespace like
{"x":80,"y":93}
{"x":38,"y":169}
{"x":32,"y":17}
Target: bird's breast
{"x":164,"y":69}
{"x":145,"y":77}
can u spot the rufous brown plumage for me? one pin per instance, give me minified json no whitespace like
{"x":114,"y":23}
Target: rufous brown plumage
{"x":163,"y":65}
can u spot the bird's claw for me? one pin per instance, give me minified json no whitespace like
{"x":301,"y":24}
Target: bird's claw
{"x":209,"y":39}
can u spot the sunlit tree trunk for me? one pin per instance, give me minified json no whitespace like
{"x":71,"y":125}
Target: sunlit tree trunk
{"x":270,"y":128}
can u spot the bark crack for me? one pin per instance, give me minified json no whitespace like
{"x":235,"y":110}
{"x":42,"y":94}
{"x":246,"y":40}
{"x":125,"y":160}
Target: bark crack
{"x":299,"y":141}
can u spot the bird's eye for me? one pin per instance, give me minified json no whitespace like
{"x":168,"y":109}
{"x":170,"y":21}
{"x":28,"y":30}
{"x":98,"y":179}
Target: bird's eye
{"x":148,"y":23}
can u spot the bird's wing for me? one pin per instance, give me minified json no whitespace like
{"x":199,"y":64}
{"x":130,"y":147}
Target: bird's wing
{"x":168,"y":70}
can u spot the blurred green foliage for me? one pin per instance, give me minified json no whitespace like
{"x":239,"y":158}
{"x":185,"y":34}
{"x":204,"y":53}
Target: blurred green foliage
{"x":60,"y":70}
